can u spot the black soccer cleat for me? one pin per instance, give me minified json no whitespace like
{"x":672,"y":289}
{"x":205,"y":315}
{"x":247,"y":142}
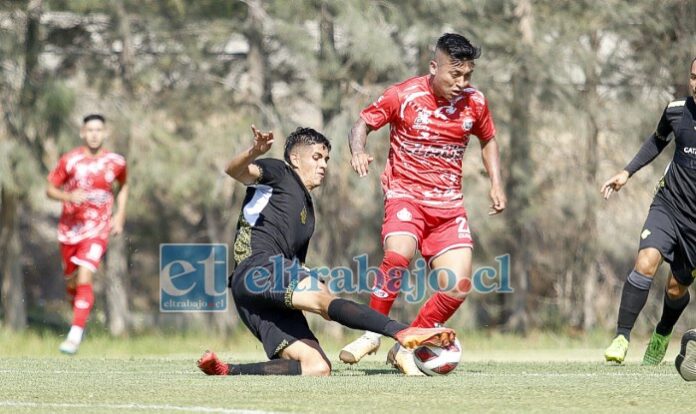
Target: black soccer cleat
{"x":686,"y":360}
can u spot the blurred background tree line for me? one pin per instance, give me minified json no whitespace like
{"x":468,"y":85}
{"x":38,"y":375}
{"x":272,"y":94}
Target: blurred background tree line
{"x":574,"y":88}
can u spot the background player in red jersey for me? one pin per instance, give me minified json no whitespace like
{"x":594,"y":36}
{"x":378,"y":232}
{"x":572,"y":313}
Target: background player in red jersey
{"x":83,"y":181}
{"x":431,"y":119}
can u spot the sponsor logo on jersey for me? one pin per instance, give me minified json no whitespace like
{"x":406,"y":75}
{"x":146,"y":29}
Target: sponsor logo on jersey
{"x":303,"y":215}
{"x":99,"y":197}
{"x":690,"y":150}
{"x":468,"y":124}
{"x":422,"y":119}
{"x":448,"y":152}
{"x":404,"y":215}
{"x":644,"y":235}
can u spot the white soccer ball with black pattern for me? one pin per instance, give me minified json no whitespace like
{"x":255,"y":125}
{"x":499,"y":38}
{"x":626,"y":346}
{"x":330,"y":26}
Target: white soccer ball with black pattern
{"x":435,"y":360}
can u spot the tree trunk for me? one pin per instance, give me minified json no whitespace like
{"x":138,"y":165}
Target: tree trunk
{"x":12,"y":292}
{"x":222,"y":322}
{"x":518,"y":187}
{"x":681,"y":38}
{"x":127,"y":55}
{"x":328,"y":70}
{"x":116,"y":274}
{"x":587,"y":254}
{"x":257,"y":58}
{"x":117,"y":311}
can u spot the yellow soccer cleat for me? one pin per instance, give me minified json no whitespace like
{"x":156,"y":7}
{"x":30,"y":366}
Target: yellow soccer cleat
{"x":616,"y":352}
{"x":366,"y":344}
{"x":402,"y":359}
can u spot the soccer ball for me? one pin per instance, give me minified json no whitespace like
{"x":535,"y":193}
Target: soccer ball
{"x":435,"y":360}
{"x":686,"y":360}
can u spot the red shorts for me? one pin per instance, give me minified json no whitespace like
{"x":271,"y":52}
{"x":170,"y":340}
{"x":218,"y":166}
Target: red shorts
{"x":87,"y":253}
{"x":436,"y":230}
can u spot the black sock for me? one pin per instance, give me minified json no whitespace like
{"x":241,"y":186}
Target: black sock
{"x":273,"y":367}
{"x":671,"y":311}
{"x":633,"y":297}
{"x":362,"y":317}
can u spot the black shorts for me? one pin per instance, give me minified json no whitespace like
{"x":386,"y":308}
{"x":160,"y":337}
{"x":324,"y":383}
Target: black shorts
{"x":264,"y":301}
{"x":676,"y":241}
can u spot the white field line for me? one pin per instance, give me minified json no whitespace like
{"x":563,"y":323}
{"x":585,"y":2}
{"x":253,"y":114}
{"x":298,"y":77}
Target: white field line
{"x":573,"y":374}
{"x":473,"y":373}
{"x":62,"y":371}
{"x":149,"y":407}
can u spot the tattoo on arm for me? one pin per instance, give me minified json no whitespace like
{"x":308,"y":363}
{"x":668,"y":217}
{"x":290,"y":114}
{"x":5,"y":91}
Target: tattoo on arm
{"x":358,"y":137}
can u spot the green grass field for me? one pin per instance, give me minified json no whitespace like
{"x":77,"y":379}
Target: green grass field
{"x":497,"y":374}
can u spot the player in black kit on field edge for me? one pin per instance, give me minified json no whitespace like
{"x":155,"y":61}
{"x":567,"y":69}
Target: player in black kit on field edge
{"x":669,"y":232}
{"x":277,"y":220}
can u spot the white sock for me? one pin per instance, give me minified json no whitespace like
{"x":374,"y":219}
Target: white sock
{"x":372,"y":335}
{"x":75,"y":334}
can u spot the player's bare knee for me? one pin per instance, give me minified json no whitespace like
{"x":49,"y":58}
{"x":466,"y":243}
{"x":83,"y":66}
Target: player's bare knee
{"x":314,"y":365}
{"x":647,"y":262}
{"x":401,"y":244}
{"x":319,"y":369}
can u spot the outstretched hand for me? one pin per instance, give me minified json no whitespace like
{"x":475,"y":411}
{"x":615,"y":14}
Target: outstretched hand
{"x":262,"y":140}
{"x":614,"y":184}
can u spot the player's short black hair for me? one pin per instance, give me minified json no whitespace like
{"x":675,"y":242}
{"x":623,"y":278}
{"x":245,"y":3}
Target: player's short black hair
{"x":93,"y":117}
{"x":457,"y":47}
{"x":304,"y":136}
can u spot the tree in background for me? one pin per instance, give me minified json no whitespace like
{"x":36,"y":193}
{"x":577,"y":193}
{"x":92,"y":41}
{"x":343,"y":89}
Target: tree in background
{"x":569,"y":86}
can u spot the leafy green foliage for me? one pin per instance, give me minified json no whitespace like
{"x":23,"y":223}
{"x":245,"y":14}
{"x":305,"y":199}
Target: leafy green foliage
{"x":192,"y":91}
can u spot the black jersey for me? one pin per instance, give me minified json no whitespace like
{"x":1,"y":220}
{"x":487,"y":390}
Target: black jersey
{"x":678,"y":186}
{"x":277,"y":216}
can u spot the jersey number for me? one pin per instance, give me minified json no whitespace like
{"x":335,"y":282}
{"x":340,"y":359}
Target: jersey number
{"x":463,"y":229}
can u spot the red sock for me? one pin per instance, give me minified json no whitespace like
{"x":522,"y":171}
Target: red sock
{"x":383,"y":296}
{"x":437,"y":310}
{"x":82,"y":305}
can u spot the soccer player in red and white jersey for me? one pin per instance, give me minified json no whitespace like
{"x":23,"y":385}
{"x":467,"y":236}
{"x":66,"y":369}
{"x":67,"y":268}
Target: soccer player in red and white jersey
{"x":83,"y":181}
{"x":431,"y":119}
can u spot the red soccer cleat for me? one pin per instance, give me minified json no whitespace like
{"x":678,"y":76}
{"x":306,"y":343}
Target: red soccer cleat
{"x":211,"y":365}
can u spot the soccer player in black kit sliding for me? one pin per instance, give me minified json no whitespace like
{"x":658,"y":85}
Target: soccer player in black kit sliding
{"x":277,"y":221}
{"x":669,"y":232}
